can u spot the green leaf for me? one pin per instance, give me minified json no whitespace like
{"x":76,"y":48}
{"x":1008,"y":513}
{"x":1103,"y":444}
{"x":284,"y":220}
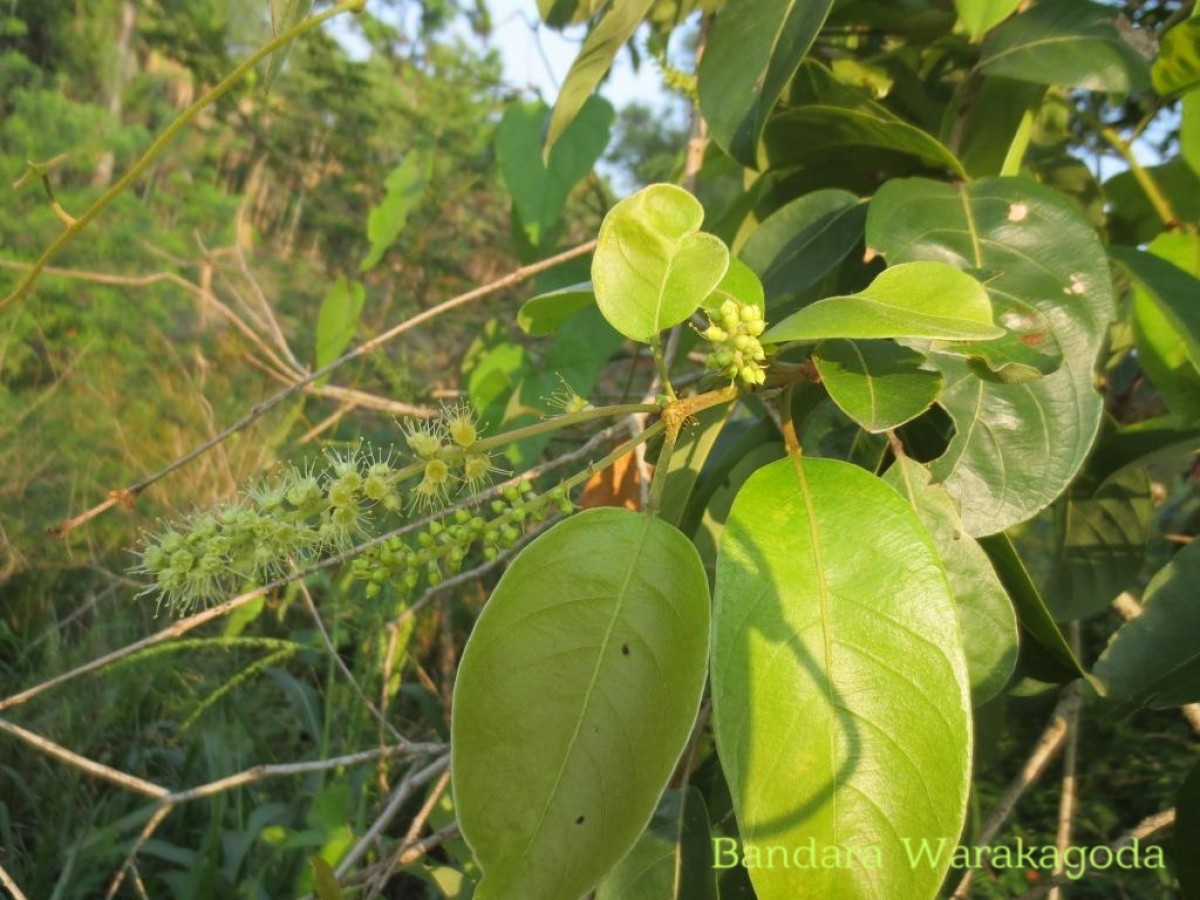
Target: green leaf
{"x":980,"y":16}
{"x":1072,"y":43}
{"x":338,"y":319}
{"x":1016,"y":446}
{"x":324,"y":881}
{"x":800,"y":243}
{"x":752,"y":53}
{"x":593,"y":62}
{"x":739,"y":284}
{"x":575,"y":696}
{"x":1154,"y":660}
{"x":405,"y":186}
{"x":1177,"y":68}
{"x":541,"y":315}
{"x":1189,"y":131}
{"x":929,"y":300}
{"x":1102,"y":534}
{"x":539,"y":188}
{"x":1186,"y":836}
{"x":986,"y":618}
{"x":1032,"y":613}
{"x":561,"y":13}
{"x":1028,"y":350}
{"x":284,"y":15}
{"x":840,"y":694}
{"x":991,"y":120}
{"x":1166,"y":316}
{"x":673,"y":859}
{"x":878,"y":384}
{"x":816,"y":133}
{"x":653,"y":266}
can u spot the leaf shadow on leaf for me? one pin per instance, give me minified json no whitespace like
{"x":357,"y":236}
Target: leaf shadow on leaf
{"x":779,"y":632}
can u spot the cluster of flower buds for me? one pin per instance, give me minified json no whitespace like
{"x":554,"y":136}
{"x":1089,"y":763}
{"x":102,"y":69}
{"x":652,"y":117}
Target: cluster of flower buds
{"x":736,"y":353}
{"x":306,"y":513}
{"x":439,"y":550}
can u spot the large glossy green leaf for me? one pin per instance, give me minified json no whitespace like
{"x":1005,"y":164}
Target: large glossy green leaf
{"x":595,"y":58}
{"x":1186,"y":837}
{"x":1154,"y":660}
{"x":673,"y":859}
{"x":979,"y":16}
{"x":574,"y":698}
{"x":841,"y":704}
{"x":911,"y":300}
{"x":539,"y":188}
{"x":1073,"y":43}
{"x":801,"y":242}
{"x":1102,"y":533}
{"x":1166,"y":316}
{"x":1032,"y":613}
{"x":653,"y":267}
{"x":1177,"y":68}
{"x":878,"y":384}
{"x":1016,"y":446}
{"x":405,"y":186}
{"x":986,"y":617}
{"x":753,"y":52}
{"x":337,"y":319}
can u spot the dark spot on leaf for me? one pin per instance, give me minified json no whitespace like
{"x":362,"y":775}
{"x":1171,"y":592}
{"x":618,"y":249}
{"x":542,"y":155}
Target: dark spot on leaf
{"x":625,"y":649}
{"x":579,"y":821}
{"x":1034,"y":337}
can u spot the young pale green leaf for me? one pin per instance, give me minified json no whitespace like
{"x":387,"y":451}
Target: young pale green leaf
{"x":325,"y":883}
{"x":801,"y":242}
{"x":595,"y":58}
{"x":405,"y":186}
{"x":1102,"y":533}
{"x":1016,"y":446}
{"x":1177,"y":68}
{"x":878,"y":384}
{"x":1154,"y":660}
{"x":575,"y":696}
{"x":673,"y":859}
{"x":980,"y":16}
{"x":841,"y":704}
{"x":338,"y":319}
{"x":752,"y":53}
{"x":1187,"y":834}
{"x":539,"y":188}
{"x":929,"y":300}
{"x":541,"y":315}
{"x":1027,"y":351}
{"x":1072,"y":43}
{"x":1166,"y":316}
{"x":986,"y":617}
{"x":740,"y":284}
{"x":653,"y":266}
{"x":1032,"y":614}
{"x":284,"y":15}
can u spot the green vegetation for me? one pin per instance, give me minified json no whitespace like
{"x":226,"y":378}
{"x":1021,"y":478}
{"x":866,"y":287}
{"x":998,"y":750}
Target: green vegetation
{"x":391,"y":507}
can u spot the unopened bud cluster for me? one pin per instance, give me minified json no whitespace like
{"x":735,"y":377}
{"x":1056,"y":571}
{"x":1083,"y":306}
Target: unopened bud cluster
{"x":736,"y":352}
{"x":440,"y":549}
{"x":306,"y":513}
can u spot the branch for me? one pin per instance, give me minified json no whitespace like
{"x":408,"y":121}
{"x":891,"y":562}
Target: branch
{"x":129,"y":494}
{"x":1043,"y":753}
{"x":10,"y":885}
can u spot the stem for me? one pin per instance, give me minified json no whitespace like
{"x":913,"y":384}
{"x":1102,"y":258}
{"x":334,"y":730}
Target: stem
{"x":790,"y":439}
{"x":661,"y":472}
{"x":1020,"y":143}
{"x":181,"y":121}
{"x":660,"y":363}
{"x":1162,"y":206}
{"x":563,"y":421}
